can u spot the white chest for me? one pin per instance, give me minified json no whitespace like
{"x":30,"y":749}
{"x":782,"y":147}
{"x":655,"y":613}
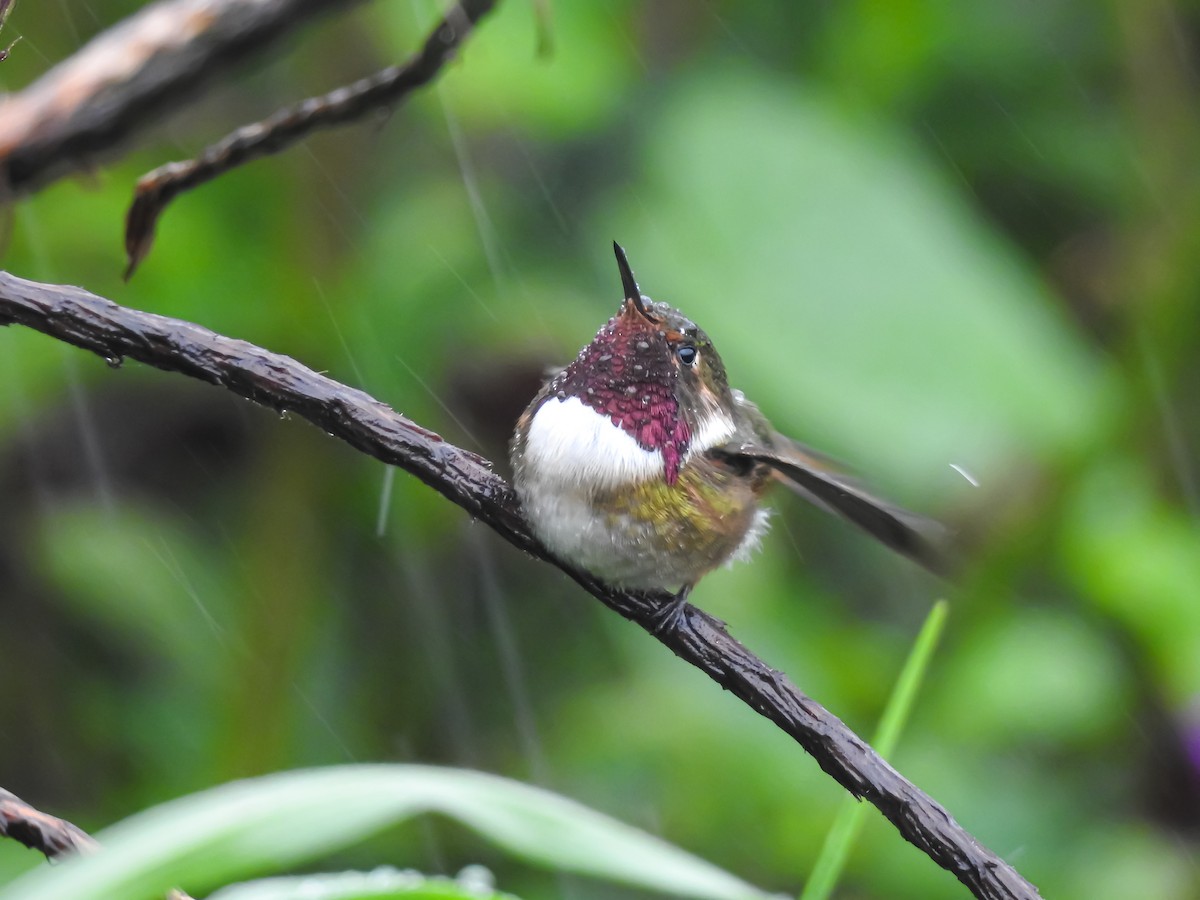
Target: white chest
{"x":572,"y":444}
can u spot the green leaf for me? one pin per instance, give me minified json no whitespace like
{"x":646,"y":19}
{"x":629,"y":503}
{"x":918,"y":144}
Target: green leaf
{"x":381,"y":884}
{"x":852,"y":290}
{"x":208,"y":839}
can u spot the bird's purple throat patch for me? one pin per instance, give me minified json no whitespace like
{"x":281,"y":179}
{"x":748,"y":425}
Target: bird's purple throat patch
{"x":627,"y":374}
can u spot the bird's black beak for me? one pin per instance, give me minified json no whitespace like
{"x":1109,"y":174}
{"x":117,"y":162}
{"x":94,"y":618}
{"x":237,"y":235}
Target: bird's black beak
{"x":633,"y":293}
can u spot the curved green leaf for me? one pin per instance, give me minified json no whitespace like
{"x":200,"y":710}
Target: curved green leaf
{"x":211,"y":838}
{"x":381,"y":884}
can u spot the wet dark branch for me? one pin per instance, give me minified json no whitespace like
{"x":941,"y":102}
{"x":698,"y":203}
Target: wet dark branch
{"x":114,"y":332}
{"x":53,"y":837}
{"x":39,"y":831}
{"x":126,"y":77}
{"x":6,"y":6}
{"x":383,"y":90}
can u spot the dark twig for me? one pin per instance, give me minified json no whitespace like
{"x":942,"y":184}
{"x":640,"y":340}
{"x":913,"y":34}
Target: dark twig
{"x":39,"y":831}
{"x":7,"y":50}
{"x":114,"y":332}
{"x":383,"y":90}
{"x":126,"y":77}
{"x":55,"y":838}
{"x":6,"y":6}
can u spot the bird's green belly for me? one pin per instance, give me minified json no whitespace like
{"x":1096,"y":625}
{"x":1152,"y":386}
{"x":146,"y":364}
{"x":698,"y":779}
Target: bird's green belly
{"x":656,"y":535}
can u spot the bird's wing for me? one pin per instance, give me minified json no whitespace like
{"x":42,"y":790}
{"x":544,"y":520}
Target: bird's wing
{"x":817,"y":479}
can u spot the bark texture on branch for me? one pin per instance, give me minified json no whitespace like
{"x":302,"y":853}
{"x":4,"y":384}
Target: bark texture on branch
{"x":39,"y":831}
{"x":383,"y":90}
{"x":56,"y":838}
{"x":127,"y":76}
{"x":114,"y":332}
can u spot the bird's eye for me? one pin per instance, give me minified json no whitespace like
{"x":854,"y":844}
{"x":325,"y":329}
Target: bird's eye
{"x":687,"y":354}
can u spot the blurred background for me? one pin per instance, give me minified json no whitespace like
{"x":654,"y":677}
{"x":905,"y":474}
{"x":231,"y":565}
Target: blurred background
{"x":922,"y":235}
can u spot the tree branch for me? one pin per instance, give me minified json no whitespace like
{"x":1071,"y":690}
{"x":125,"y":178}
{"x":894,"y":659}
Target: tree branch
{"x":54,"y":837}
{"x":127,"y":76}
{"x":114,"y":332}
{"x":6,"y":6}
{"x":39,"y":831}
{"x":284,"y":128}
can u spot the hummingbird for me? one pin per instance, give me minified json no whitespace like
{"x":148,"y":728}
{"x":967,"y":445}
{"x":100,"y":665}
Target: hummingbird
{"x":639,"y":464}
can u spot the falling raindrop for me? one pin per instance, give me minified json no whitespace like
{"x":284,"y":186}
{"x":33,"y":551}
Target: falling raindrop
{"x":961,"y":470}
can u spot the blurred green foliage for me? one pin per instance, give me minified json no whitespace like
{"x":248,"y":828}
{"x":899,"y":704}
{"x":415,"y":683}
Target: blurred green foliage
{"x":921,"y":234}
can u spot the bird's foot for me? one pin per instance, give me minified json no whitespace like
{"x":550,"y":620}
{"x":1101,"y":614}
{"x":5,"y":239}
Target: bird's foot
{"x":672,"y":615}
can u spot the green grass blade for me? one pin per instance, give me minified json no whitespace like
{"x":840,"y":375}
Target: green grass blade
{"x":848,"y":821}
